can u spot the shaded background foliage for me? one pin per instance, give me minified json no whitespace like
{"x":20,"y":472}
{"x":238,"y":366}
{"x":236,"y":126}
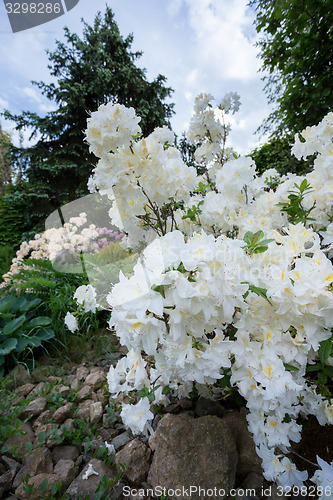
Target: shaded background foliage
{"x":296,"y":47}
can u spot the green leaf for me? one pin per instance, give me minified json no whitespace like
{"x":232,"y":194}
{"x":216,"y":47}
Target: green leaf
{"x":44,"y":484}
{"x":265,"y":242}
{"x":7,"y":346}
{"x":260,"y":249}
{"x":328,"y":370}
{"x":28,"y":446}
{"x":22,"y":343}
{"x":290,"y":368}
{"x":54,"y":488}
{"x":41,"y":437}
{"x":13,"y":325}
{"x":45,"y":334}
{"x":6,"y":304}
{"x":262,"y":292}
{"x":325,"y":350}
{"x":304,"y":185}
{"x":248,"y":237}
{"x":256,"y":237}
{"x":39,"y":321}
{"x":30,"y":304}
{"x":322,"y":378}
{"x":314,"y":368}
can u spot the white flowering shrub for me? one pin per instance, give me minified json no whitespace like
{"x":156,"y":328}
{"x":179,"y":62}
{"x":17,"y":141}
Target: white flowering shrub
{"x":74,"y":238}
{"x":235,"y":283}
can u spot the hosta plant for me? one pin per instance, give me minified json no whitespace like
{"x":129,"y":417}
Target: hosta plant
{"x":21,"y":330}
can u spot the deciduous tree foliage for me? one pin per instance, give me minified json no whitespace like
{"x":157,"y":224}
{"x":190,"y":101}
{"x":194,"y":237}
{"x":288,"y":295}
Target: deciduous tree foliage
{"x":296,"y":48}
{"x":89,"y":71}
{"x":5,"y":167}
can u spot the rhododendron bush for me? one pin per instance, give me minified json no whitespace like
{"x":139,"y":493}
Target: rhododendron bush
{"x":234,"y":286}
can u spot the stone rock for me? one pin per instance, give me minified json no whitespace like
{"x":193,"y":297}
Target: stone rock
{"x":39,"y":461}
{"x":47,"y":428}
{"x":75,"y":385}
{"x":67,"y":452}
{"x":34,"y":408}
{"x":9,"y":464}
{"x":182,"y":404}
{"x":83,"y":413}
{"x":61,"y":389}
{"x":95,"y":380}
{"x":85,"y":392}
{"x":6,"y":480}
{"x":135,"y":455}
{"x":206,"y":406}
{"x":121,"y":440}
{"x":70,"y":379}
{"x":19,"y":477}
{"x":85,"y":487}
{"x":38,"y":389}
{"x":53,"y":378}
{"x":18,"y":441}
{"x":44,"y":418}
{"x":37,"y":481}
{"x":69,"y":424}
{"x":248,"y":460}
{"x":24,"y":390}
{"x":101,"y":396}
{"x":253,"y":481}
{"x":20,"y":376}
{"x":95,"y":412}
{"x":67,"y":470}
{"x":193,"y":452}
{"x":108,"y":434}
{"x":82,"y":373}
{"x":62,"y":413}
{"x":107,"y":421}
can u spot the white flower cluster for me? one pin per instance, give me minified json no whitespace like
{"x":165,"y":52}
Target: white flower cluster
{"x":207,"y":126}
{"x":138,"y":176}
{"x":207,"y":300}
{"x":110,"y":127}
{"x":85,"y":296}
{"x":71,"y":238}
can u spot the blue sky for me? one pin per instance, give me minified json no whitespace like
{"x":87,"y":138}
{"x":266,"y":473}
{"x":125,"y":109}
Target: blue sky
{"x":199,"y":45}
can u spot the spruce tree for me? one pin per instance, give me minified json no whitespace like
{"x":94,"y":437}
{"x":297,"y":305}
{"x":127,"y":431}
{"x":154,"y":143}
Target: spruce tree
{"x":89,"y":71}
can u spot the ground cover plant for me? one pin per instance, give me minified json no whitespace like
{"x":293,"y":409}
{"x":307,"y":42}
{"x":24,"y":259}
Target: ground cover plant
{"x":234,"y":287}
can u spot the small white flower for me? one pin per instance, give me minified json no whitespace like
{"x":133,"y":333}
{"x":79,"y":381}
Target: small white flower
{"x":110,"y":447}
{"x":71,"y":322}
{"x":90,"y":472}
{"x":137,"y":417}
{"x":85,"y":295}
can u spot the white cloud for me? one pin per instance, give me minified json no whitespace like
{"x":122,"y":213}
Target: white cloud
{"x":34,"y":95}
{"x":221,"y":37}
{"x":3,"y":103}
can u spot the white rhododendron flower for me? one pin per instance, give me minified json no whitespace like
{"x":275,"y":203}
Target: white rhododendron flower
{"x":323,"y":478}
{"x":138,"y":416}
{"x":85,"y":295}
{"x":71,"y":322}
{"x":111,"y":127}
